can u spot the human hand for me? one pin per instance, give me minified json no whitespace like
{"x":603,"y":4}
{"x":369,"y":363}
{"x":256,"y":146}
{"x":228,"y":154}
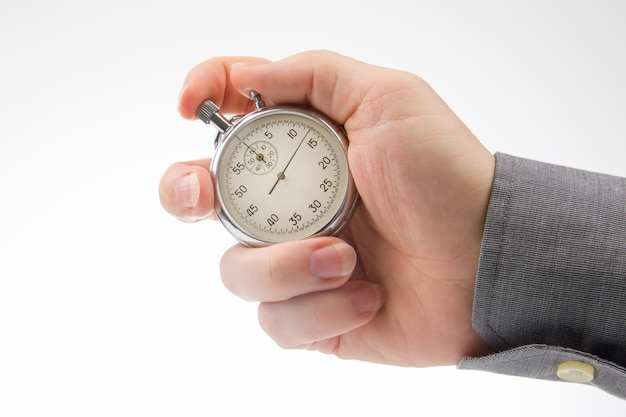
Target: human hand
{"x":397,"y":285}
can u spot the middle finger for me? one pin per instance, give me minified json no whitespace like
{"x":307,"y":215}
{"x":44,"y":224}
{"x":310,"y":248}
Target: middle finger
{"x":286,"y":270}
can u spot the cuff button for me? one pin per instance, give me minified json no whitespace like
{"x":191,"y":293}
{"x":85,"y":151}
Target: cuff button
{"x":574,"y":371}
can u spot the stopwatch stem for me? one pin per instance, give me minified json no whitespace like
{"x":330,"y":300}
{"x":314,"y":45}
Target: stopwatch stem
{"x":258,"y":101}
{"x":209,"y":114}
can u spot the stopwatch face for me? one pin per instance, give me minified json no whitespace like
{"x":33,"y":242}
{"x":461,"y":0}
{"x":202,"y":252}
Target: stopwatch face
{"x":282,"y":174}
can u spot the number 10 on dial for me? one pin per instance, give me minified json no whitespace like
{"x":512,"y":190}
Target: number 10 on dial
{"x":281,"y":173}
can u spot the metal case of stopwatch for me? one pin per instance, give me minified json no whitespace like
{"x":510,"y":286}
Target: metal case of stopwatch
{"x":227,"y":131}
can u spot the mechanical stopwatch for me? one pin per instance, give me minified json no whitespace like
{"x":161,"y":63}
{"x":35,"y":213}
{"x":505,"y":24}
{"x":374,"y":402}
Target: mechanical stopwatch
{"x":280,"y":172}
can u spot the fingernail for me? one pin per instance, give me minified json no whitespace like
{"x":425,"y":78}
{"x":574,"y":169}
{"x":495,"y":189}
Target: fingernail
{"x":187,"y":191}
{"x":180,"y":94}
{"x":237,"y":65}
{"x":333,"y":261}
{"x":247,"y":64}
{"x":367,"y":298}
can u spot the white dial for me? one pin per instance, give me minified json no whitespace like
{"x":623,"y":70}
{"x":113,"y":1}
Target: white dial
{"x":282,"y":174}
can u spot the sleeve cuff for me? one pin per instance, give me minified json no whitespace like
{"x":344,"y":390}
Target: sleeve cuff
{"x":545,"y":362}
{"x":552,"y":269}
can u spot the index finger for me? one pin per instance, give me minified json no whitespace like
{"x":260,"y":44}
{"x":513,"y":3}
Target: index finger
{"x":332,"y":83}
{"x":211,"y":80}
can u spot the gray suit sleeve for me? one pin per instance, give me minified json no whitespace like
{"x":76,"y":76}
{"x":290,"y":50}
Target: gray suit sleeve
{"x":551,"y":284}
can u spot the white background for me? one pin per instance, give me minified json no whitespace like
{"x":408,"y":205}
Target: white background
{"x":109,"y":307}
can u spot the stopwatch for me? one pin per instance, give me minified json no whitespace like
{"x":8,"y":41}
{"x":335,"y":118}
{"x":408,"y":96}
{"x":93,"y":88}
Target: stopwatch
{"x":280,"y":172}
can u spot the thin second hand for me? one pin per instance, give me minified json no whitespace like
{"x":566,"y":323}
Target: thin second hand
{"x":281,"y":174}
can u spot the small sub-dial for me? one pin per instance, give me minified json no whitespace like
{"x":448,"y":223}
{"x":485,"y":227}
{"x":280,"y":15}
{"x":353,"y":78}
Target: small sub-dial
{"x":260,"y":157}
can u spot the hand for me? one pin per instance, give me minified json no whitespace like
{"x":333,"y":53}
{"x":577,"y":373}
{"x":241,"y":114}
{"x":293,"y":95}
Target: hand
{"x":397,"y":286}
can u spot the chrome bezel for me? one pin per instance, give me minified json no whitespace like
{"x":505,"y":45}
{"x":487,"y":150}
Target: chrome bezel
{"x":350,"y":199}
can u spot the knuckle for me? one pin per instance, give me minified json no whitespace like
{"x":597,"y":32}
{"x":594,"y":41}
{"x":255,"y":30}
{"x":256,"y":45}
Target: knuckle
{"x":253,"y":274}
{"x":269,"y":276}
{"x":269,"y":320}
{"x":230,"y":278}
